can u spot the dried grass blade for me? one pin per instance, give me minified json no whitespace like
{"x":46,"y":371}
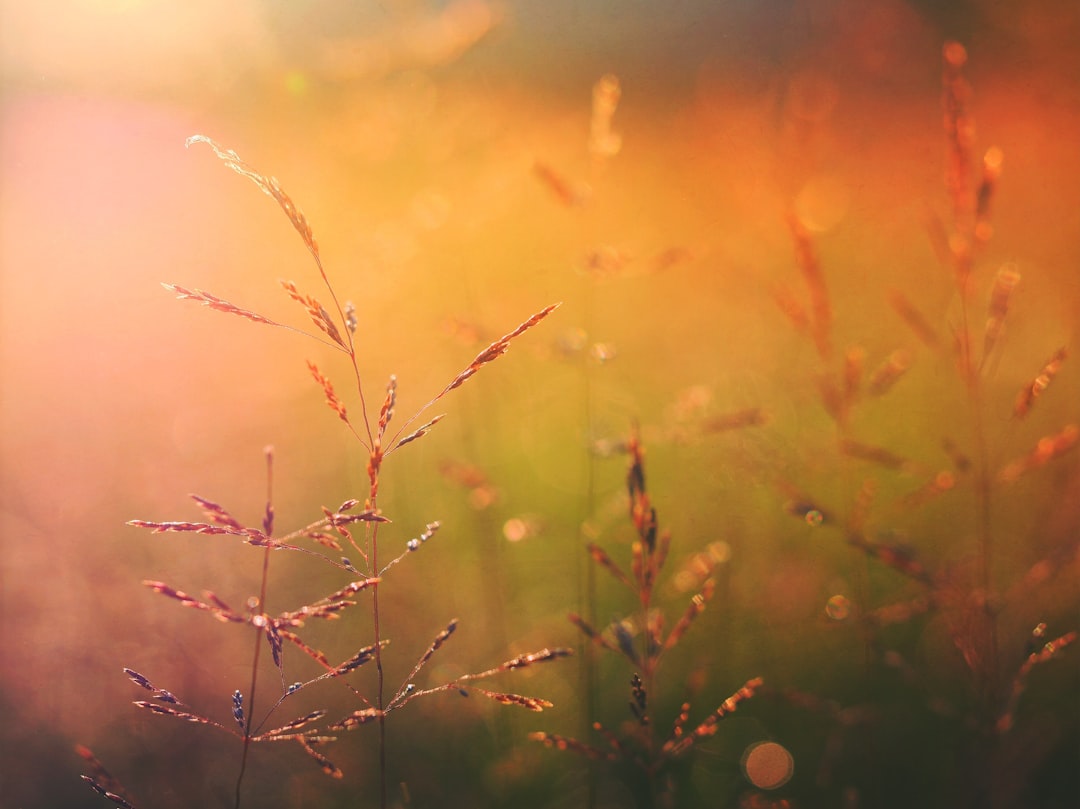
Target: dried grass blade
{"x":792,"y":308}
{"x":1047,"y":449}
{"x":709,"y":726}
{"x":914,"y":319}
{"x":1025,"y":399}
{"x":489,"y":354}
{"x":332,"y":399}
{"x":558,"y":742}
{"x":418,"y":433}
{"x":736,"y":420}
{"x":190,"y":601}
{"x":679,"y":724}
{"x":531,"y":703}
{"x":324,"y":539}
{"x":386,"y":412}
{"x":316,"y":311}
{"x":314,"y":654}
{"x":900,"y":612}
{"x":590,"y":632}
{"x":601,"y":557}
{"x":603,"y":142}
{"x":353,"y":587}
{"x":697,"y":606}
{"x":328,"y":610}
{"x":876,"y":455}
{"x":810,"y":267}
{"x":1000,"y":295}
{"x":139,"y":679}
{"x":216,"y":513}
{"x":564,"y":190}
{"x":960,"y":460}
{"x":959,"y":129}
{"x":659,"y":557}
{"x":273,"y":637}
{"x":259,"y":540}
{"x":522,"y":661}
{"x":193,"y":527}
{"x":102,"y":781}
{"x":365,"y":655}
{"x":160,"y":694}
{"x":101,"y":790}
{"x":368,"y":515}
{"x":1047,"y":653}
{"x":324,"y":763}
{"x":899,"y":558}
{"x":436,"y":644}
{"x":295,"y":724}
{"x":617,"y":747}
{"x":219,"y":304}
{"x":498,"y":348}
{"x":357,"y":718}
{"x":942,"y":482}
{"x":185,"y":716}
{"x":268,"y":185}
{"x":889,"y":372}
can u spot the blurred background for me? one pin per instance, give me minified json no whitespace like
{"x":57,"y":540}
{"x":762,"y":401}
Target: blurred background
{"x":442,"y":153}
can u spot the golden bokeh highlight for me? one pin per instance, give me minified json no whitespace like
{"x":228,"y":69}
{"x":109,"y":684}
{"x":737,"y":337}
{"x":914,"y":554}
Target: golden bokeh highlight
{"x":768,"y":765}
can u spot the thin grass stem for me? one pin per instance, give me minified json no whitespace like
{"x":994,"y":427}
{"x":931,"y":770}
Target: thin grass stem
{"x":261,"y":606}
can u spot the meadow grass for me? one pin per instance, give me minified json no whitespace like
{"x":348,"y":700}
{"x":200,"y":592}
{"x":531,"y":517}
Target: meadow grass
{"x":930,"y":671}
{"x":352,"y":528}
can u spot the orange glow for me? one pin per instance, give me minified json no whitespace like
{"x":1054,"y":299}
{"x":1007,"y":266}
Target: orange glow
{"x":788,"y":260}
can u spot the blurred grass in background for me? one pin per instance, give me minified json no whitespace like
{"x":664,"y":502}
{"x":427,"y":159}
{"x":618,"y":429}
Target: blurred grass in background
{"x":409,"y":133}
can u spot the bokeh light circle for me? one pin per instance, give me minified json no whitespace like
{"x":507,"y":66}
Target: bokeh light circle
{"x":838,"y":607}
{"x":768,"y":765}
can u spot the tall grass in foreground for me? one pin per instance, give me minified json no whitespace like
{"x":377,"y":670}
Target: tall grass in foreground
{"x":352,"y":528}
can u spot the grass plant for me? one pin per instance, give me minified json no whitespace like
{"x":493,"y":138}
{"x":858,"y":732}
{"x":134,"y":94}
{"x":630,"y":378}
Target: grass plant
{"x":353,"y":528}
{"x":962,"y":591}
{"x":643,"y":641}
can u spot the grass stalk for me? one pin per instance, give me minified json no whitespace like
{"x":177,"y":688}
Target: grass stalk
{"x":261,"y":606}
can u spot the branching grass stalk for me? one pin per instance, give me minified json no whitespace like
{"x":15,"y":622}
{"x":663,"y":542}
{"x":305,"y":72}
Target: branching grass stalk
{"x":651,"y":757}
{"x":970,"y":199}
{"x":332,"y":531}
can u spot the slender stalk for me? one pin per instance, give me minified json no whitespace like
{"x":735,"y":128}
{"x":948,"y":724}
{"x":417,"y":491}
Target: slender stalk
{"x":968,"y":210}
{"x":261,"y":606}
{"x":602,"y":144}
{"x":587,"y":589}
{"x":987,"y":624}
{"x":378,"y":666}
